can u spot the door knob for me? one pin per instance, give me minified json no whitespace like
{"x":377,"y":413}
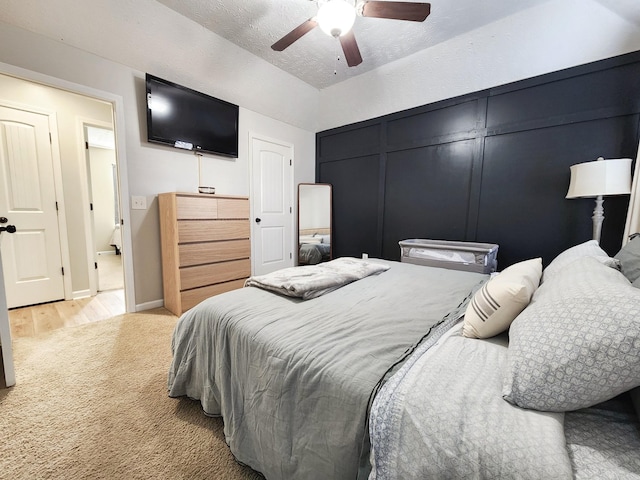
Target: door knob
{"x":8,"y":229}
{"x":3,"y":220}
{"x":258,"y":220}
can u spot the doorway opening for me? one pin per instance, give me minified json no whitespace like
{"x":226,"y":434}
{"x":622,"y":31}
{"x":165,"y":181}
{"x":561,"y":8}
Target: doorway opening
{"x":104,"y":198}
{"x":34,"y":81}
{"x":76,"y":196}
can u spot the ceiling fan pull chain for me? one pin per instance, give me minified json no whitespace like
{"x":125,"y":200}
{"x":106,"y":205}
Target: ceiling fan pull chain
{"x":336,"y":57}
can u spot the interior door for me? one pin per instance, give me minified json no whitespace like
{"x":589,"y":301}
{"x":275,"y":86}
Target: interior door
{"x":271,"y":205}
{"x":32,"y":258}
{"x":8,"y":375}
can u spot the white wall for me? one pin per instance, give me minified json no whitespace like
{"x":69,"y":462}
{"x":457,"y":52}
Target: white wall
{"x":147,"y":36}
{"x":555,"y":35}
{"x":215,"y":67}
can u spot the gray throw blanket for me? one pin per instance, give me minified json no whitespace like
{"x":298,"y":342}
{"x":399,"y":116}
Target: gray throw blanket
{"x":311,"y":281}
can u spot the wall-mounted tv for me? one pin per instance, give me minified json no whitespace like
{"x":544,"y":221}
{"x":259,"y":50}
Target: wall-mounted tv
{"x":184,"y":118}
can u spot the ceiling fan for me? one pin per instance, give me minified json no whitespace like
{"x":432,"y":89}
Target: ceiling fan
{"x":336,"y":17}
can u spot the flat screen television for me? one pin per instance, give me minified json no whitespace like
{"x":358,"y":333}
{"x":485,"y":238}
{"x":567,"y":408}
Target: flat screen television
{"x":184,"y":118}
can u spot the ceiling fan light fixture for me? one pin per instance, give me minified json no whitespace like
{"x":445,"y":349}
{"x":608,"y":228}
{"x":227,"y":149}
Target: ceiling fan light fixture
{"x":336,"y":17}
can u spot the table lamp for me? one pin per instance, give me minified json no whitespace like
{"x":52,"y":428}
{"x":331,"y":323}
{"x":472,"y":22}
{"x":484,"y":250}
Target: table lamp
{"x":598,"y":179}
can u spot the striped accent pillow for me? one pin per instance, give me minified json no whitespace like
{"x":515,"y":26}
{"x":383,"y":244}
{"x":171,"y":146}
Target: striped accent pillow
{"x":483,"y":304}
{"x":501,"y":299}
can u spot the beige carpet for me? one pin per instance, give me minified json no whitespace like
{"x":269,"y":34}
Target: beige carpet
{"x":91,"y":402}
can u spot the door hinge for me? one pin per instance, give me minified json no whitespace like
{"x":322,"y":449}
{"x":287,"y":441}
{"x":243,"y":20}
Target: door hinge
{"x":290,"y":210}
{"x":62,"y":268}
{"x":95,"y":264}
{"x":290,"y":162}
{"x":50,"y":138}
{"x":290,"y":255}
{"x":86,"y":145}
{"x":91,"y":207}
{"x":56,"y":205}
{"x":121,"y":221}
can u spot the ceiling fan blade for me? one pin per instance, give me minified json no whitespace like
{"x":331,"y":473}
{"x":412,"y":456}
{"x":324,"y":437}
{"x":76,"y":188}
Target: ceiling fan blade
{"x":350,"y":49}
{"x":414,"y":12}
{"x":294,"y":35}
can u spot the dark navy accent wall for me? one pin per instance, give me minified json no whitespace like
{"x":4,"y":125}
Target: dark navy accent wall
{"x":492,"y":166}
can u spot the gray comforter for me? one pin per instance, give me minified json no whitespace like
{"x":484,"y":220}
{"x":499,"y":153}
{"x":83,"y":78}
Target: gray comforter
{"x":292,"y":379}
{"x":442,"y":416}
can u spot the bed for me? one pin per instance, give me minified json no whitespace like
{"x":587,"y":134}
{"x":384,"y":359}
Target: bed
{"x":385,"y":377}
{"x":314,"y":247}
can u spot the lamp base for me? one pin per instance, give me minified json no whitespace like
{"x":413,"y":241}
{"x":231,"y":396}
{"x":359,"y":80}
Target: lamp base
{"x":598,"y":217}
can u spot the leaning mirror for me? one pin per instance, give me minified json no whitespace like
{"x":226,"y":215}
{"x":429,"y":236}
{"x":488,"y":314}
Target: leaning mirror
{"x":314,"y":223}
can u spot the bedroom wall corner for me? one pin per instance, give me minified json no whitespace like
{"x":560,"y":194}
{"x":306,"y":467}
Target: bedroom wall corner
{"x":543,"y":39}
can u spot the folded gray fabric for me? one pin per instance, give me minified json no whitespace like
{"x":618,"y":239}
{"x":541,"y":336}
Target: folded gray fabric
{"x":311,"y":281}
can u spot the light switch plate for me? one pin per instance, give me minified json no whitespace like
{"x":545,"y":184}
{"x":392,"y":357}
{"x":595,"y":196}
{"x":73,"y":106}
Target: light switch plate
{"x":138,"y":203}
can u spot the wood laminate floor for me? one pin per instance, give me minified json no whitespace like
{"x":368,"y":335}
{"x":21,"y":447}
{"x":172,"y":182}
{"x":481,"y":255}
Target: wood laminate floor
{"x":37,"y":319}
{"x":109,"y":302}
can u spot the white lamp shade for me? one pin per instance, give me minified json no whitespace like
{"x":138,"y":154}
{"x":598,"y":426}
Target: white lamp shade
{"x":336,"y":17}
{"x":600,"y":177}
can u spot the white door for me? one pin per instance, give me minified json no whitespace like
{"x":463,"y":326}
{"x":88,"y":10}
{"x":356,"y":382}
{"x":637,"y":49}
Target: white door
{"x":31,"y":256}
{"x":271,"y":205}
{"x":9,"y":375}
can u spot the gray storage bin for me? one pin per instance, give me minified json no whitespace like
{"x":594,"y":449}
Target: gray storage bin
{"x":468,"y":256}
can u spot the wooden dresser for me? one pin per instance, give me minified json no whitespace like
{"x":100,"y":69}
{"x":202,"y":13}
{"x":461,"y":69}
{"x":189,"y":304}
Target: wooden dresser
{"x":205,"y":246}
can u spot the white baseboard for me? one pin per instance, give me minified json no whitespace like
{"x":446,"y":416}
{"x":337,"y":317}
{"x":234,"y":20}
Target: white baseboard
{"x":149,"y":305}
{"x":80,"y":294}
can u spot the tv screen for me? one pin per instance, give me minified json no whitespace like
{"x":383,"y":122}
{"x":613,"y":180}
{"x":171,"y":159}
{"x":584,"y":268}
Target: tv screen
{"x":184,"y":118}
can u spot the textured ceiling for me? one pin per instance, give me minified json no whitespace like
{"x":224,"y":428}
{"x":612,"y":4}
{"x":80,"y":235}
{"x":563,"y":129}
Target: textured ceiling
{"x":256,"y":24}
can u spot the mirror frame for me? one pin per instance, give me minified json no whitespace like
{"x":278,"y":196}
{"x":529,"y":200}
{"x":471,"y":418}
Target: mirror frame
{"x":330,"y":228}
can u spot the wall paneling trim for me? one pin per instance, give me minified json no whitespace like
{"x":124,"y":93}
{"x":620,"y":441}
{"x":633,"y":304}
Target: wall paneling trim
{"x":492,"y":166}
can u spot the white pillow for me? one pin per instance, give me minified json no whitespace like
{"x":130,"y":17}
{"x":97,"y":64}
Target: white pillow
{"x":576,"y":344}
{"x":590,"y":248}
{"x":501,"y":299}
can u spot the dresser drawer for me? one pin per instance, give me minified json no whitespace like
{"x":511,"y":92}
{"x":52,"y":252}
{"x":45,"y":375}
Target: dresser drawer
{"x":196,"y":207}
{"x":190,"y":298}
{"x":201,"y":275}
{"x":233,"y":208}
{"x":190,"y":231}
{"x":212,"y":252}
